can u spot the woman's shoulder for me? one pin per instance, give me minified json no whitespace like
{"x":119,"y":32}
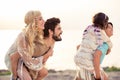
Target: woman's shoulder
{"x":21,"y":36}
{"x":92,"y":28}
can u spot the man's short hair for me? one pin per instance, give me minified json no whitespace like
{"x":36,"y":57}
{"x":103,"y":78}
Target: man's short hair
{"x":50,"y":24}
{"x":110,"y":24}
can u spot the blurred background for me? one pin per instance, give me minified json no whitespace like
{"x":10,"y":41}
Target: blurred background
{"x":75,"y":15}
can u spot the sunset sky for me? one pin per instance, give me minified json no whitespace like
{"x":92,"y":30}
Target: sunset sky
{"x":71,"y":12}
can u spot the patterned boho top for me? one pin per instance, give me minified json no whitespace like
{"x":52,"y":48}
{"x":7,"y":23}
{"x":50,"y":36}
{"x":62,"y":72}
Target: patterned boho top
{"x":92,"y":38}
{"x":20,"y":46}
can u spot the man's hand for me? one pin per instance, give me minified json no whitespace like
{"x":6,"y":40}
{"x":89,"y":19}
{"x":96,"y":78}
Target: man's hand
{"x":47,"y":55}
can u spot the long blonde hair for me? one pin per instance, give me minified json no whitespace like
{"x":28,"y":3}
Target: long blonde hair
{"x":32,"y":33}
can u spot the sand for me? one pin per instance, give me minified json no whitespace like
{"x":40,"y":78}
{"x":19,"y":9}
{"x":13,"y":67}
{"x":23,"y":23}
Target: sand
{"x":68,"y":75}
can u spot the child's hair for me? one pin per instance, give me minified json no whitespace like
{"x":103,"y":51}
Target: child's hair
{"x":100,"y":20}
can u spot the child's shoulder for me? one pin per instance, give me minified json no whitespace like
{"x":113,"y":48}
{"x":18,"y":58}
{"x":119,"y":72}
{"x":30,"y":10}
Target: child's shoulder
{"x":92,"y":28}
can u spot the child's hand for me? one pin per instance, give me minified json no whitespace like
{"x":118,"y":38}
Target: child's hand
{"x":78,"y":46}
{"x":108,"y":51}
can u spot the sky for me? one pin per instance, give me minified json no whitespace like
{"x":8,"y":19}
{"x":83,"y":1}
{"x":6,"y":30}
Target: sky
{"x":75,"y":15}
{"x":76,"y":12}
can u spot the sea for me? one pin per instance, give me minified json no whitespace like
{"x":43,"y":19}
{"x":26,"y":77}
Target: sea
{"x":64,"y":51}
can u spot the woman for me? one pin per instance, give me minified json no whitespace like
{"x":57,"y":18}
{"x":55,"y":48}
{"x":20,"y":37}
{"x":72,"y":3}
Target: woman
{"x":93,"y":37}
{"x":28,"y":45}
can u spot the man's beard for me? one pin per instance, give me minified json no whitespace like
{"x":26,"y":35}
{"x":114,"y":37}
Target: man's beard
{"x":56,"y":38}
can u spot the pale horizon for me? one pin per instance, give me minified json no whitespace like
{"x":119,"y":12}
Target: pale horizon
{"x":79,"y":11}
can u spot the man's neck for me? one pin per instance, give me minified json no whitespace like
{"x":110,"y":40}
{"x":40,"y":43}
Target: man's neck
{"x":49,"y":41}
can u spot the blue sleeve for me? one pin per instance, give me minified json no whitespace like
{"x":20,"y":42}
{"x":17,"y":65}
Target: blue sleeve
{"x":103,"y":49}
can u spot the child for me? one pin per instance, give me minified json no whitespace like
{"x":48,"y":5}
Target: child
{"x":93,"y":37}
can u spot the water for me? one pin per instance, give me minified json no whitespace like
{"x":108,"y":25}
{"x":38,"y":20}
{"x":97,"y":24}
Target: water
{"x":64,"y":50}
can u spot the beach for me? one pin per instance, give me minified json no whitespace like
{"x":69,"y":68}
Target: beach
{"x":67,"y":75}
{"x":70,"y":75}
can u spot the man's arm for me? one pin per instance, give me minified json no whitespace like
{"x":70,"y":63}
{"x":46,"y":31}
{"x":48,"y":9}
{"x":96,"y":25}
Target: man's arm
{"x":96,"y":62}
